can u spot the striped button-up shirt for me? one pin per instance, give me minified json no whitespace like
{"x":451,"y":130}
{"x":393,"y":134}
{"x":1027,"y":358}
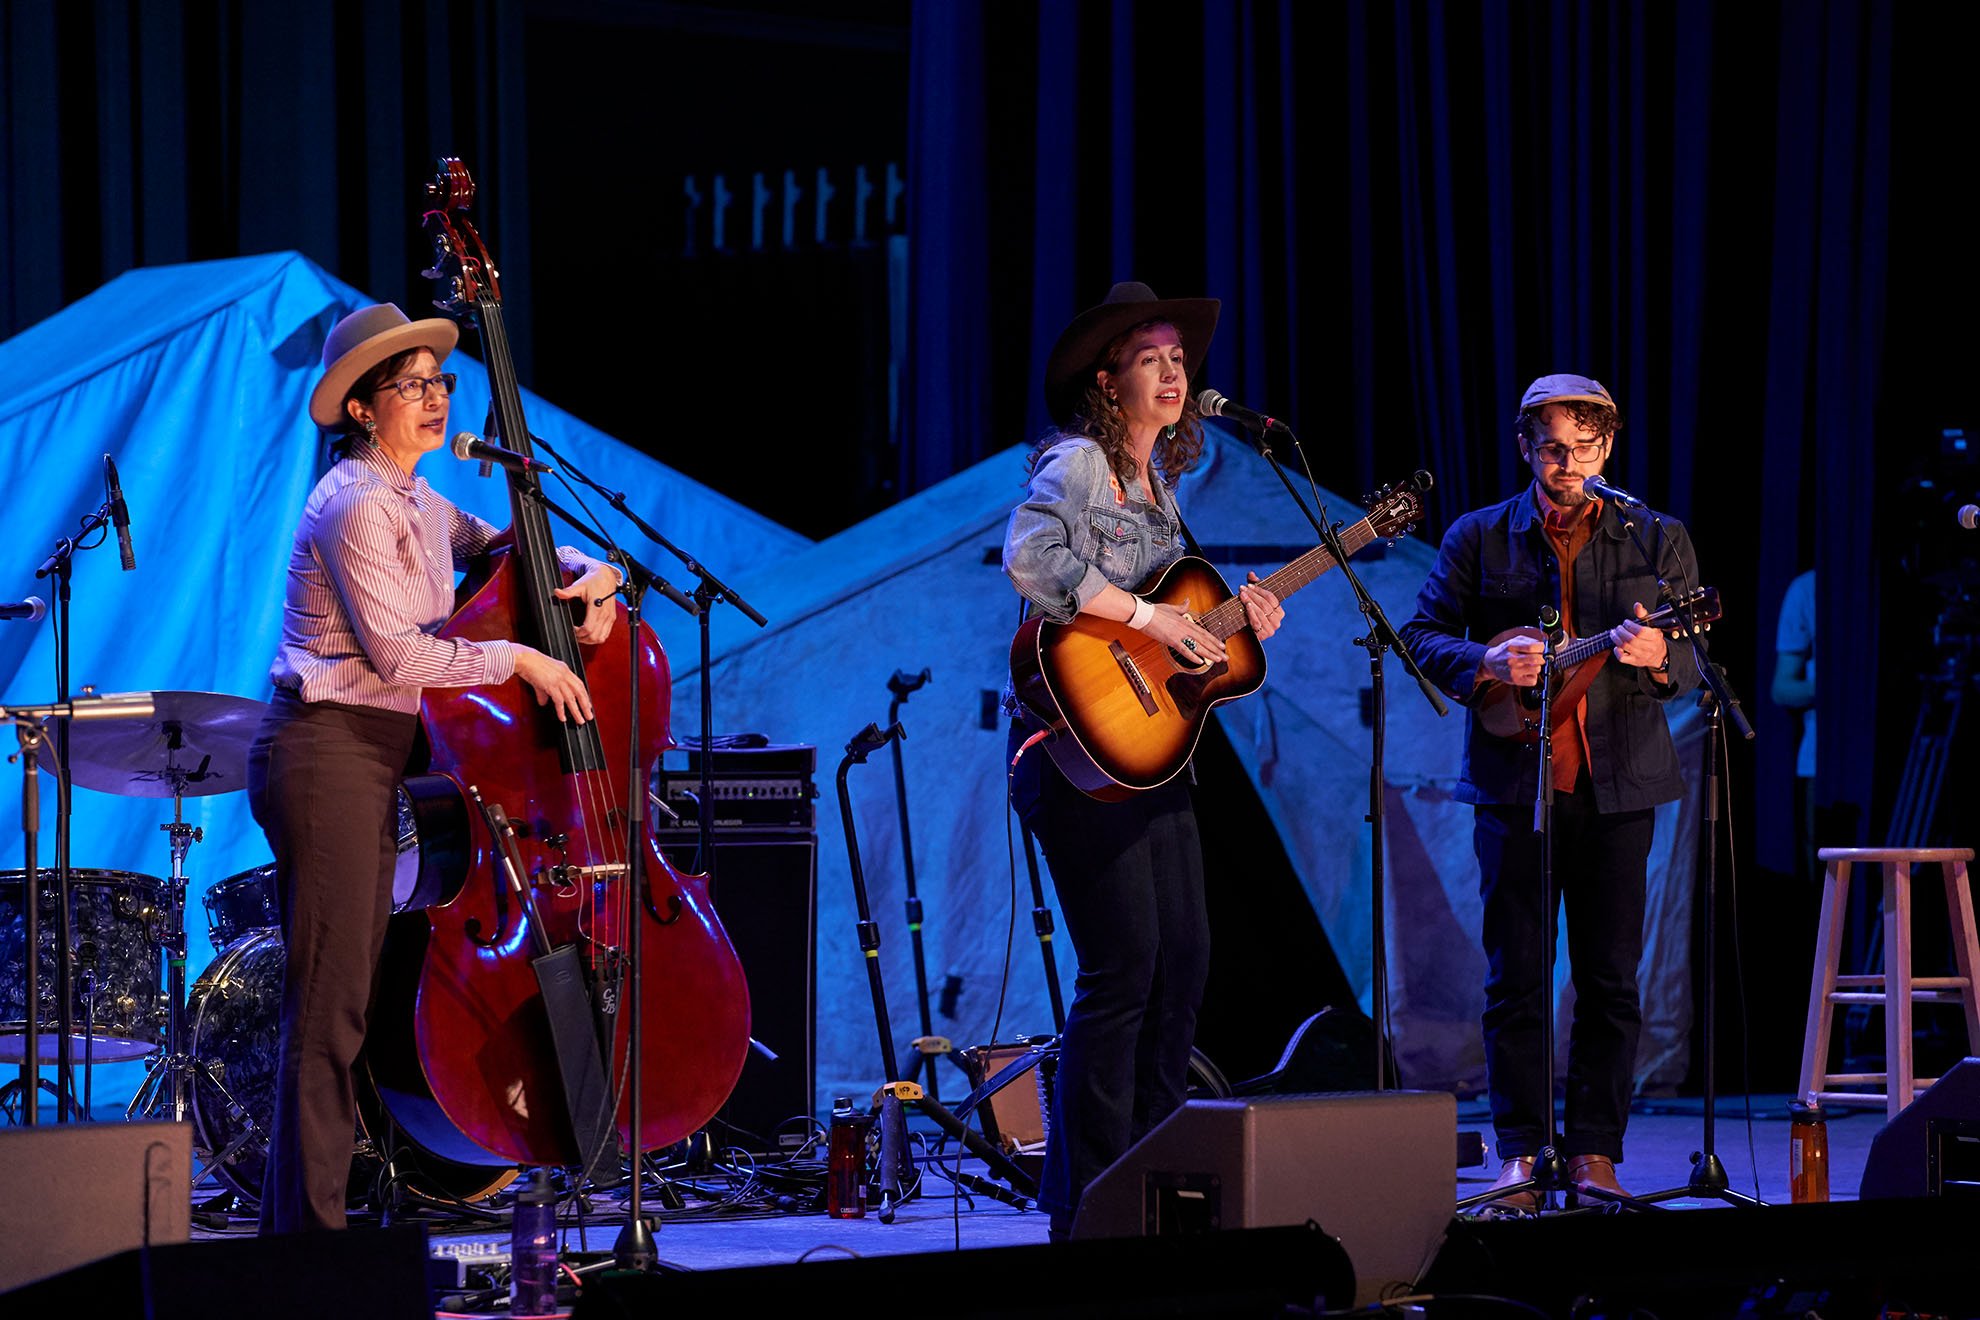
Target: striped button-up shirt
{"x":371,"y":581}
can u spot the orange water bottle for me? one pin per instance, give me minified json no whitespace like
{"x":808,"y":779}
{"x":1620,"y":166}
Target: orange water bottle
{"x":1808,"y":1152}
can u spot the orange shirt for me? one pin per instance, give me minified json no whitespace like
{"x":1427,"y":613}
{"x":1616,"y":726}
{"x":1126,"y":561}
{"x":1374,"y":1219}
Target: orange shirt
{"x":1568,"y":532}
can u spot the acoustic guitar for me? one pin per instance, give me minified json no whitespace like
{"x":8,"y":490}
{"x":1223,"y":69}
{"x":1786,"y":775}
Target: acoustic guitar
{"x":1125,"y":711}
{"x":1505,"y":711}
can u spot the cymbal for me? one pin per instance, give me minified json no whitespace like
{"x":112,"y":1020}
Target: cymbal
{"x":194,"y":744}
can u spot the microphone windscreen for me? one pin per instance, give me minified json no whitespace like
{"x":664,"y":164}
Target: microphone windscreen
{"x":463,"y":445}
{"x":1969,"y":516}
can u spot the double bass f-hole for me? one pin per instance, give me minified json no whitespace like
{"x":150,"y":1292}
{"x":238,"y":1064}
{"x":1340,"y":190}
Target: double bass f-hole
{"x":508,"y":856}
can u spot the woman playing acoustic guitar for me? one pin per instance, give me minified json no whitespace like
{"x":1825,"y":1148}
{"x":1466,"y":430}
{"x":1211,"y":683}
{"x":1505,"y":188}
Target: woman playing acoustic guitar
{"x":1099,"y":520}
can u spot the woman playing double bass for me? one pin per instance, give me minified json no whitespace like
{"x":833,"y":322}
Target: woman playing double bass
{"x":371,"y":581}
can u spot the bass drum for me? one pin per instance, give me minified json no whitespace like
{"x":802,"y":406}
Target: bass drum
{"x":234,"y":1015}
{"x":246,"y":903}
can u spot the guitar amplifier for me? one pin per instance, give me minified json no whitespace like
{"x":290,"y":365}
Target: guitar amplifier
{"x":758,"y":789}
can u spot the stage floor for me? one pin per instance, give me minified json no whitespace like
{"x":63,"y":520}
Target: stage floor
{"x":1662,"y":1136}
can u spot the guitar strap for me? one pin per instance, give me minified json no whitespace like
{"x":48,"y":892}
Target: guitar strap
{"x":1188,"y":537}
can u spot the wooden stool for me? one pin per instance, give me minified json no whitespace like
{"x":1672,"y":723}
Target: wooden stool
{"x":1895,"y":988}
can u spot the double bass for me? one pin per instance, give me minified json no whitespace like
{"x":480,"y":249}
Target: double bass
{"x":524,"y":827}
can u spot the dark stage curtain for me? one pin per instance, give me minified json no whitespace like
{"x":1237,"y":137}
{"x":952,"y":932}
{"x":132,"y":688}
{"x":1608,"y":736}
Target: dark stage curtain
{"x":1413,"y":208}
{"x":1410,"y":207}
{"x":141,"y":134}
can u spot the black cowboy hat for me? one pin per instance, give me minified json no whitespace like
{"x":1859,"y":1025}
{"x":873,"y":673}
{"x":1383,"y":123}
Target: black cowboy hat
{"x":1076,"y":356}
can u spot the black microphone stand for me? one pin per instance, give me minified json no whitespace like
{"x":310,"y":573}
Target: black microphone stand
{"x":1549,"y":1174}
{"x":634,"y":1248}
{"x":898,"y":1093}
{"x":1708,"y":1173}
{"x":709,"y":592}
{"x":59,"y":564}
{"x":31,"y":732}
{"x":1378,"y":638}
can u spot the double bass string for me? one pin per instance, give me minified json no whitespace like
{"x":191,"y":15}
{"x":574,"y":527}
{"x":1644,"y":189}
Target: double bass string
{"x":582,"y":747}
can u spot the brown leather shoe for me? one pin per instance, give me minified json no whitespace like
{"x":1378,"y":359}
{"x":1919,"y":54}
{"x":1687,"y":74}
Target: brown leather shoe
{"x":1513,"y":1172}
{"x":1595,"y":1171}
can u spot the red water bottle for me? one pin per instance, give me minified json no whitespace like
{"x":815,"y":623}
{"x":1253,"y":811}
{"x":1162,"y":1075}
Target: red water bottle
{"x":1808,"y":1152}
{"x":845,"y":1162}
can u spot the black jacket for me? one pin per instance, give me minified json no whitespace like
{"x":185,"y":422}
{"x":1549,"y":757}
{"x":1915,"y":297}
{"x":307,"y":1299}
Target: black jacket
{"x":1494,"y":571}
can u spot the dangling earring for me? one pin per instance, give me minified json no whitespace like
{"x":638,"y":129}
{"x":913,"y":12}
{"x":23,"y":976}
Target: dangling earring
{"x":1169,"y":431}
{"x":371,"y":427}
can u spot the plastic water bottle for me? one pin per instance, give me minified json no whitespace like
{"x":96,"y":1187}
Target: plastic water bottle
{"x":845,"y":1163}
{"x":1808,"y":1152}
{"x":533,"y":1249}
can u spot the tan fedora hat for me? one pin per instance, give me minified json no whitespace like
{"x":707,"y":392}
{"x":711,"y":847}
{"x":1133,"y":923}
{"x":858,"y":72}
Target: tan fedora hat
{"x":361,"y":341}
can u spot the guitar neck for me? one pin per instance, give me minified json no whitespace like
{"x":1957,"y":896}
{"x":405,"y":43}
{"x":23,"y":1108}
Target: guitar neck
{"x":1582,"y":648}
{"x":1228,"y":617}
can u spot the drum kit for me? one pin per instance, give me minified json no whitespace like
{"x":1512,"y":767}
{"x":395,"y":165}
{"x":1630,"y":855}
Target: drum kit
{"x":212,"y":1044}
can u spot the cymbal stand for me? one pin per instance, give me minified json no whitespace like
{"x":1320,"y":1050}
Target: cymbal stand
{"x":30,"y":729}
{"x":166,"y":1091}
{"x":32,"y":735}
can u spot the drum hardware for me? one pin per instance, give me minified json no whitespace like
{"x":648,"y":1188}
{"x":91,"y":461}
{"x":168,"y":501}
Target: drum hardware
{"x":234,"y":1012}
{"x":181,"y":745}
{"x":30,"y":729}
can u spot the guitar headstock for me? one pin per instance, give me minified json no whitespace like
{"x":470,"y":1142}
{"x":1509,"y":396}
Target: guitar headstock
{"x":461,"y":264}
{"x":1394,"y":510}
{"x":1705,"y":611}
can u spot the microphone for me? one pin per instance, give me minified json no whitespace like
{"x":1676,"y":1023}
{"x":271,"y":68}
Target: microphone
{"x":1213,"y":404}
{"x":1598,"y":489}
{"x":1969,"y":516}
{"x":120,"y":514}
{"x":34,"y":609}
{"x":473,"y":449}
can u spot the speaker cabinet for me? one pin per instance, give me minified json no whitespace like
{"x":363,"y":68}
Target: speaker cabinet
{"x":77,"y":1192}
{"x":1932,"y":1147}
{"x":765,"y":891}
{"x":379,"y":1274}
{"x":1376,"y":1170}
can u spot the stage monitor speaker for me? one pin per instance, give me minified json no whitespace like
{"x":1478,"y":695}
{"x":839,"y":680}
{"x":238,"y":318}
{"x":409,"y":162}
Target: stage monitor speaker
{"x":77,"y":1192}
{"x":379,"y":1274}
{"x":1932,"y":1147}
{"x":765,"y":891}
{"x":1266,"y":1273}
{"x":1378,"y":1170}
{"x":1844,"y":1258}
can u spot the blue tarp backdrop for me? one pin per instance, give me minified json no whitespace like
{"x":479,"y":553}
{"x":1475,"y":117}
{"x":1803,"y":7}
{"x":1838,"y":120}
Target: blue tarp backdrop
{"x":195,"y":379}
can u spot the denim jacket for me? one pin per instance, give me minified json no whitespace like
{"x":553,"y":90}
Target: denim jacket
{"x":1079,"y":529}
{"x":1494,"y":571}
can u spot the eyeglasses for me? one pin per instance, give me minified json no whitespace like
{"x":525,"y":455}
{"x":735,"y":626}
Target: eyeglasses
{"x":1557,"y":454}
{"x":412,"y":389}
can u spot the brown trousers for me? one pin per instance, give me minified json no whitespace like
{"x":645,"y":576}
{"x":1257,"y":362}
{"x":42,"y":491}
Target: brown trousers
{"x":321,"y":783}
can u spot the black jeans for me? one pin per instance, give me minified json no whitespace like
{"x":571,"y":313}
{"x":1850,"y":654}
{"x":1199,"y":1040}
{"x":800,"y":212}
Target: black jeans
{"x":1599,"y":863}
{"x":1129,"y":876}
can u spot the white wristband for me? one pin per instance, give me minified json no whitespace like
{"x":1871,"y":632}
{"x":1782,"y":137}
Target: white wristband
{"x":1143,"y":612}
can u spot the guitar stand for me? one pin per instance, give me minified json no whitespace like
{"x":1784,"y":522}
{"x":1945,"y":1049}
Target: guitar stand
{"x":896,"y":1094}
{"x":929,"y":1048}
